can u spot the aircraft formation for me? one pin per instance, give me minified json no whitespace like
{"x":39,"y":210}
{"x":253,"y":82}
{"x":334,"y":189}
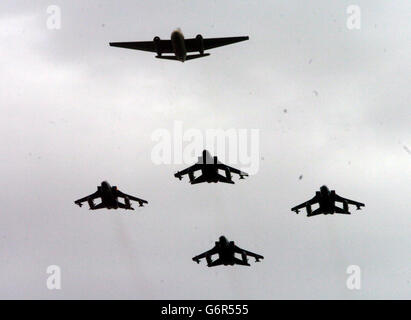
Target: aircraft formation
{"x":208,"y":167}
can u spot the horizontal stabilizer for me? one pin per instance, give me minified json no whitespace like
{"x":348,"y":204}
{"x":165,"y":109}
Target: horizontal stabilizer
{"x":190,"y":57}
{"x":195,"y":56}
{"x":224,"y":179}
{"x":167,"y":57}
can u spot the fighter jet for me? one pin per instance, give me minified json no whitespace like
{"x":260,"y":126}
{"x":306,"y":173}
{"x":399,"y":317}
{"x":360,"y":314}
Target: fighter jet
{"x":210,"y":167}
{"x":178,"y":46}
{"x":226,"y":251}
{"x":109,"y":198}
{"x":326,"y":200}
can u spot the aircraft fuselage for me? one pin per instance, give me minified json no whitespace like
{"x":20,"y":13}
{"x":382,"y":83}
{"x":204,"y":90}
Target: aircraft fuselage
{"x":108,"y":197}
{"x":327,"y":202}
{"x":226,"y":252}
{"x":209,"y":168}
{"x":179,"y":48}
{"x":210,"y":172}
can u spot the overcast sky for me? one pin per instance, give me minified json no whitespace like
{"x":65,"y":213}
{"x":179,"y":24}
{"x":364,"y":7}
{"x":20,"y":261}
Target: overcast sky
{"x":76,"y":112}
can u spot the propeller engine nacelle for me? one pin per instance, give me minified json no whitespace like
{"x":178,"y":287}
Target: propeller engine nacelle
{"x":157,"y":45}
{"x":191,"y":176}
{"x":200,"y":43}
{"x":308,"y":208}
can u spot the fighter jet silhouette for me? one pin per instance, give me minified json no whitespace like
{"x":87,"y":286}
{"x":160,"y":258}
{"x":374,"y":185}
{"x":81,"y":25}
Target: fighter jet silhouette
{"x":226,"y":251}
{"x":109,"y":198}
{"x":326,"y":200}
{"x":179,"y":46}
{"x":210,"y":167}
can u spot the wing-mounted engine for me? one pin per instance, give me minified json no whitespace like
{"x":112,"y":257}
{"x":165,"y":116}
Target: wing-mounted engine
{"x":200,"y":43}
{"x":157,"y":45}
{"x":308,"y":208}
{"x":191,"y":176}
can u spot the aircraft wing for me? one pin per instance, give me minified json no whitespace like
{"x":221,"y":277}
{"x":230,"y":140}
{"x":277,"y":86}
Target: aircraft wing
{"x":352,"y":202}
{"x":232,"y":170}
{"x":210,"y":43}
{"x":91,"y":196}
{"x":303,"y":205}
{"x":206,"y":254}
{"x":164,"y":45}
{"x":124,"y":195}
{"x":193,"y":168}
{"x":248,"y":253}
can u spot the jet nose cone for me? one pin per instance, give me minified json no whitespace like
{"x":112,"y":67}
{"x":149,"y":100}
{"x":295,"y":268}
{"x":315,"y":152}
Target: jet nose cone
{"x":176,"y":32}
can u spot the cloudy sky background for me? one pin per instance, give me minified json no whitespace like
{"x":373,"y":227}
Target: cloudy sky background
{"x":76,"y":112}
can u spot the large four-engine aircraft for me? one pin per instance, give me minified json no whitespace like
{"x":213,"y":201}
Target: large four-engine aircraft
{"x":326,"y":200}
{"x":209,"y":167}
{"x":109,"y":198}
{"x":226,"y":251}
{"x":178,"y":46}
